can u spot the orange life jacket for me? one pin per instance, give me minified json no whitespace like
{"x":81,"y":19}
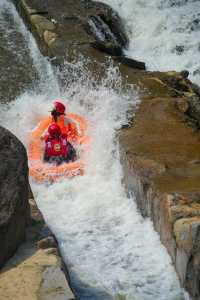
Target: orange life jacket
{"x":67,"y":127}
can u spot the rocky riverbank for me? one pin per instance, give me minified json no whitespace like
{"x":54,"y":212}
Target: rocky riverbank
{"x":161,"y":156}
{"x":36,"y":270}
{"x":160,"y":150}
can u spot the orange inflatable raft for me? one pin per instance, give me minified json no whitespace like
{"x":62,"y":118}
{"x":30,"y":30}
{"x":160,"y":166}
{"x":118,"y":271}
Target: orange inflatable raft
{"x":42,"y":171}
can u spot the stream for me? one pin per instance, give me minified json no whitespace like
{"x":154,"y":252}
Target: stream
{"x":111,"y":252}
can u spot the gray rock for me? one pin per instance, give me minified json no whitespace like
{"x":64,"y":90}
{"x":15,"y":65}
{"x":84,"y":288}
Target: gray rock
{"x":106,"y":39}
{"x":14,"y":206}
{"x":132,"y":63}
{"x":185,"y":74}
{"x":194,"y":110}
{"x":48,"y":242}
{"x":108,"y":47}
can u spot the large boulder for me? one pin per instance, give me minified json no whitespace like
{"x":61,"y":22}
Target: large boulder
{"x":14,"y":188}
{"x":64,"y":28}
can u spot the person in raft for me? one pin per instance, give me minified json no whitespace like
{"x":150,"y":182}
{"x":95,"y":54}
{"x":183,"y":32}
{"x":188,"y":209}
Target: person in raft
{"x":67,"y":126}
{"x":57,"y":147}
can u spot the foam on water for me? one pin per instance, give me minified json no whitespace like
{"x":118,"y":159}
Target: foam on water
{"x":108,"y":247}
{"x":163,"y":33}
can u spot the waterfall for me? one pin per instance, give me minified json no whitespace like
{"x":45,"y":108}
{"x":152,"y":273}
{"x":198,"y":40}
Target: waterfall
{"x":108,"y":247}
{"x":164,"y":34}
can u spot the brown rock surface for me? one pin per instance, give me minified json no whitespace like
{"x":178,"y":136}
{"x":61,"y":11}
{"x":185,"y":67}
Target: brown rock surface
{"x":187,"y":233}
{"x":35,"y":274}
{"x":45,"y":243}
{"x":65,"y":29}
{"x":166,"y":181}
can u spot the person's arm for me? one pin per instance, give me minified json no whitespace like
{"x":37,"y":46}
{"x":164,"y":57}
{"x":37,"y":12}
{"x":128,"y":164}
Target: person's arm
{"x":40,"y":130}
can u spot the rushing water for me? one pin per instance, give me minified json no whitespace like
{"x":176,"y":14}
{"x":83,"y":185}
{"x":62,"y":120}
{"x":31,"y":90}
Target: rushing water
{"x":18,"y":71}
{"x":163,"y":33}
{"x":108,"y":247}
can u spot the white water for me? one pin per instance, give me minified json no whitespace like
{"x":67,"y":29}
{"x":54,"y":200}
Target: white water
{"x":156,"y":27}
{"x":108,"y":247}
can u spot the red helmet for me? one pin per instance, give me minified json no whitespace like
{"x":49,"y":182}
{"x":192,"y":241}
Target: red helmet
{"x":59,"y":106}
{"x":54,"y":130}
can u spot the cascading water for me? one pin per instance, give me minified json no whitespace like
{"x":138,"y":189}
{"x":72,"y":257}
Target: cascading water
{"x":13,"y":64}
{"x":163,"y":33}
{"x":108,"y":247}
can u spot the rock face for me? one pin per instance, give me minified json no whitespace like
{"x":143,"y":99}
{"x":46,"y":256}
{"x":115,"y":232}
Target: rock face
{"x":14,"y":206}
{"x":161,"y":154}
{"x":67,"y":28}
{"x":132,"y":63}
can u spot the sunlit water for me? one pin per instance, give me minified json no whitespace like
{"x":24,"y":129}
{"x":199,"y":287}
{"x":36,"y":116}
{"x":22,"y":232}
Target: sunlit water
{"x":108,"y":247}
{"x":163,"y":33}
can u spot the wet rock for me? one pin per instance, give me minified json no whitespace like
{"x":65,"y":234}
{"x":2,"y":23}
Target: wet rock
{"x":179,"y":49}
{"x":48,"y":242}
{"x":196,"y":89}
{"x":195,"y":25}
{"x":105,"y":40}
{"x":107,"y":29}
{"x":41,"y":23}
{"x":54,"y":285}
{"x":182,"y":104}
{"x":186,"y":210}
{"x":36,"y":215}
{"x":132,"y":63}
{"x":34,"y":275}
{"x":156,"y":154}
{"x":14,"y":189}
{"x":52,"y":250}
{"x":45,"y":232}
{"x":35,"y":272}
{"x":194,"y":110}
{"x":67,"y":29}
{"x":186,"y":231}
{"x":37,"y":6}
{"x":171,"y":3}
{"x":147,"y":168}
{"x":50,"y":37}
{"x":189,"y":104}
{"x":177,"y":82}
{"x":185,"y":74}
{"x":107,"y":16}
{"x":107,"y":47}
{"x":187,"y":235}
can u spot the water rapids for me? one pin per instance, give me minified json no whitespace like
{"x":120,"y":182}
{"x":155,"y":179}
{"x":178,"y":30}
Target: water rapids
{"x":109,"y":249}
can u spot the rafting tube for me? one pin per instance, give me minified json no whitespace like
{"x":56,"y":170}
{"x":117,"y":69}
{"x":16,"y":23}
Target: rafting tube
{"x":42,"y":171}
